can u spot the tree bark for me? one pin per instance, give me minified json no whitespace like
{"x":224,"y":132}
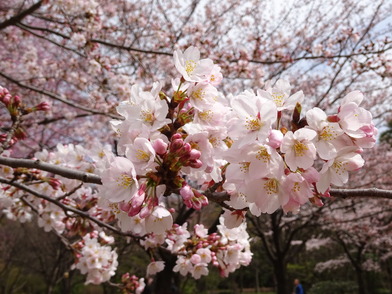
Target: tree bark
{"x":361,"y":281}
{"x":165,"y":281}
{"x":280,"y":275}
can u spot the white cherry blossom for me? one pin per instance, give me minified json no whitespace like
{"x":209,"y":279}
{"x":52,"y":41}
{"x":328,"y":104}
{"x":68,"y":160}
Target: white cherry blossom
{"x":299,"y":150}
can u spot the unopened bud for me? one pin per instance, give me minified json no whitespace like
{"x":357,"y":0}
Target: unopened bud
{"x":204,"y":200}
{"x":159,"y":146}
{"x":54,"y":183}
{"x":16,"y":101}
{"x":43,"y":106}
{"x":195,"y":259}
{"x":20,"y":134}
{"x":124,"y":206}
{"x":196,"y":204}
{"x":333,"y":118}
{"x":194,"y":154}
{"x":145,"y":211}
{"x":187,"y":148}
{"x":176,"y":136}
{"x":275,"y":138}
{"x":195,"y":163}
{"x":176,"y":145}
{"x":186,"y":192}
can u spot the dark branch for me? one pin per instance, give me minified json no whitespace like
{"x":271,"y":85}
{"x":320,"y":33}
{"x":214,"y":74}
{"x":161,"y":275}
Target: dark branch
{"x":58,"y":98}
{"x":64,"y":207}
{"x":218,"y":197}
{"x":17,"y":18}
{"x":360,"y":193}
{"x":52,"y":168}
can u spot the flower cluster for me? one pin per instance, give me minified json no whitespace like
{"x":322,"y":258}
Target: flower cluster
{"x":198,"y":136}
{"x":227,"y":250}
{"x":16,"y":109}
{"x":132,"y":284}
{"x":256,"y":149}
{"x":96,"y":259}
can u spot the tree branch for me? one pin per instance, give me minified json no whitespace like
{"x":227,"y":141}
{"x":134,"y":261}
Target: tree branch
{"x":64,"y":207}
{"x":360,"y":193}
{"x":58,"y":98}
{"x":17,"y":18}
{"x":218,"y":197}
{"x":52,"y":168}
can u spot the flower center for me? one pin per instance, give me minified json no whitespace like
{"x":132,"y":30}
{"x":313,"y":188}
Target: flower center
{"x":142,"y":155}
{"x":300,"y":148}
{"x":190,"y":66}
{"x":125,"y":181}
{"x":263,"y":154}
{"x":327,"y":134}
{"x":244,"y":167}
{"x":205,"y":115}
{"x":278,"y":98}
{"x":198,"y":94}
{"x":296,"y":187}
{"x":148,"y":116}
{"x":253,"y":124}
{"x":339,"y":167}
{"x":271,"y":186}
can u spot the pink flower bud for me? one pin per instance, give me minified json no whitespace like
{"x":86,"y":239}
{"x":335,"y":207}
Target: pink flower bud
{"x":195,"y":259}
{"x":6,"y":99}
{"x":134,"y":210}
{"x":188,"y":203}
{"x":186,"y":192}
{"x":159,"y":146}
{"x":124,"y":206}
{"x":204,"y":200}
{"x":145,"y":211}
{"x":311,"y":175}
{"x":196,"y":204}
{"x":187,"y":148}
{"x":275,"y":138}
{"x":54,"y":183}
{"x":176,"y":145}
{"x":43,"y":106}
{"x":137,"y":201}
{"x":195,"y":163}
{"x":16,"y":101}
{"x":333,"y":118}
{"x":194,"y":154}
{"x":176,"y":136}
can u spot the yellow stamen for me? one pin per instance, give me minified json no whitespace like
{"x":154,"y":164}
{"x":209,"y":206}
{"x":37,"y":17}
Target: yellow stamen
{"x":271,"y":186}
{"x":300,"y":148}
{"x":278,"y":98}
{"x":327,"y":134}
{"x":148,"y":116}
{"x":244,"y":167}
{"x":254,"y":124}
{"x":124,"y":181}
{"x":296,"y":187}
{"x":339,"y":167}
{"x":142,"y":155}
{"x":263,"y":154}
{"x":190,"y":66}
{"x":198,"y":94}
{"x":205,"y":115}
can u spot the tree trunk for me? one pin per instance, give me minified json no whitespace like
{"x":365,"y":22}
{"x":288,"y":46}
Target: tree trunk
{"x":165,"y":281}
{"x":281,"y":278}
{"x":361,"y":282}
